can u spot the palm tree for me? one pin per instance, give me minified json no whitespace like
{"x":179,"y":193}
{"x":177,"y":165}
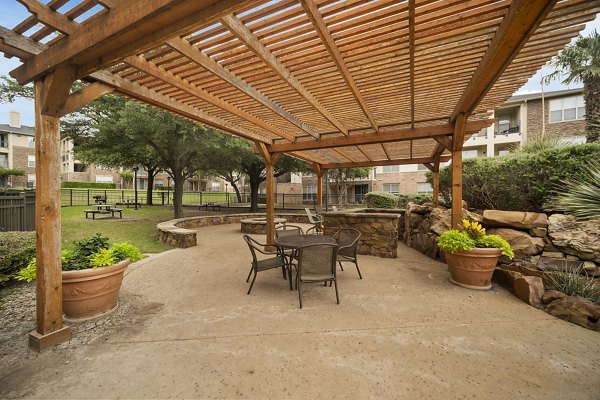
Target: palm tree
{"x":581,"y":63}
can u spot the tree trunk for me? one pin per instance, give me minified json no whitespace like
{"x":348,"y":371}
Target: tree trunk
{"x":151,"y":175}
{"x":343,"y":193}
{"x":591,"y":95}
{"x":237,"y":191}
{"x":254,"y":185}
{"x":178,"y":180}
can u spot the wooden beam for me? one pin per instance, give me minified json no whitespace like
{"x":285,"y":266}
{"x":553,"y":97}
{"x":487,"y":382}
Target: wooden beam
{"x":315,"y":16}
{"x":395,"y":135}
{"x":456,"y":189}
{"x":50,"y":17}
{"x":13,"y":44}
{"x":458,"y":139}
{"x":175,"y":81}
{"x":59,"y":84}
{"x":50,"y":329}
{"x":445,"y":141}
{"x":246,"y":36}
{"x":520,"y":22}
{"x":411,"y":59}
{"x":129,"y":27}
{"x":436,"y":180}
{"x":84,"y":96}
{"x":379,"y":163}
{"x":270,"y":160}
{"x":199,"y":57}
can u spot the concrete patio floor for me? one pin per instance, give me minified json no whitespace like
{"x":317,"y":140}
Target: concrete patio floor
{"x":403,"y":332}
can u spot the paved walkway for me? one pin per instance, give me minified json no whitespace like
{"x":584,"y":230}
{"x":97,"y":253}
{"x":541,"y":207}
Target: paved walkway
{"x":403,"y":332}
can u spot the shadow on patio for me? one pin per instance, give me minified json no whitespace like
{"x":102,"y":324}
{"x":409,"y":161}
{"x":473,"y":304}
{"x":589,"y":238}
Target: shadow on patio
{"x":402,"y":332}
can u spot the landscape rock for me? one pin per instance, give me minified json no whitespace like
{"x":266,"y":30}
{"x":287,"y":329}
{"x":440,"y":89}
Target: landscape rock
{"x":539,"y":232}
{"x":555,"y":264}
{"x":551,"y":295}
{"x":530,"y":289}
{"x":440,"y":220}
{"x":579,"y":238}
{"x":523,"y":244}
{"x":589,"y":266}
{"x":514,"y":219}
{"x":553,"y":254}
{"x":577,"y":310}
{"x":506,"y":278}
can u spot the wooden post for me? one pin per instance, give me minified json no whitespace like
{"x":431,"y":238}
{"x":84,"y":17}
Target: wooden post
{"x":457,"y":145}
{"x":319,"y":173}
{"x":270,"y":160}
{"x":436,"y":180}
{"x":50,"y":329}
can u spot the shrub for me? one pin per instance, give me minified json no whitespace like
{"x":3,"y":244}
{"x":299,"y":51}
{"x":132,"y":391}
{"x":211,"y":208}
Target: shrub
{"x":418,"y":198}
{"x":16,"y":250}
{"x":580,"y":196}
{"x":574,"y":284}
{"x":87,"y":185}
{"x":381,"y":200}
{"x":520,"y":181}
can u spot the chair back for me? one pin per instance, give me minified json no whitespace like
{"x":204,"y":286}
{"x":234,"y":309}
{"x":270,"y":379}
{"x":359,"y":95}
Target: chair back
{"x":288,"y":230}
{"x":319,"y":209}
{"x":311,"y":219}
{"x":317,"y":259}
{"x":347,"y":240}
{"x":334,"y":208}
{"x":253,"y":245}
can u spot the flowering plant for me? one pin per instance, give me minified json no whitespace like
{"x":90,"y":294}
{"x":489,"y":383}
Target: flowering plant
{"x":473,"y":235}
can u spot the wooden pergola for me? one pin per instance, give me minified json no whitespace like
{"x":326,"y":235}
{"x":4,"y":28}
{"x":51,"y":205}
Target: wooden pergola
{"x":335,"y":83}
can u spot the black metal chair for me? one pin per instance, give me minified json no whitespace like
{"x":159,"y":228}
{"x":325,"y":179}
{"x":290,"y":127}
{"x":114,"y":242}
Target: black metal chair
{"x":316,"y":264}
{"x":279,"y":260}
{"x":288,"y":230}
{"x":347,"y":240}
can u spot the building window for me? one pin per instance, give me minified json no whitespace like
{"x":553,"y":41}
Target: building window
{"x":3,"y":160}
{"x":470,"y":154}
{"x":567,"y":109}
{"x":391,"y":187}
{"x":503,"y":152}
{"x":31,"y":161}
{"x":31,"y":180}
{"x":421,"y":167}
{"x":309,"y":193}
{"x":215,"y":186}
{"x":3,"y":141}
{"x":424,"y":187}
{"x":104,"y":179}
{"x":391,"y":168}
{"x":31,"y":142}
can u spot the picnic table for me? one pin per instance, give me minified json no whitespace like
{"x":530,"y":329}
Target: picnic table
{"x":103,"y":209}
{"x":210,"y":204}
{"x":128,"y":203}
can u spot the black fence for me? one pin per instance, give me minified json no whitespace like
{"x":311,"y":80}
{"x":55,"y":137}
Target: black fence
{"x":17,"y":210}
{"x":86,"y":197}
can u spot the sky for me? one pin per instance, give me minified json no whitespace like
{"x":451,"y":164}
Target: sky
{"x":11,"y":13}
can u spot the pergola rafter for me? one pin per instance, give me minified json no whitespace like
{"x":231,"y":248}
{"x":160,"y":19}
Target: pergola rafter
{"x":338,"y":84}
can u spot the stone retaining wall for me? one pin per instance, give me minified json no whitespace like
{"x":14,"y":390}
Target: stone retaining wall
{"x":379,"y":228}
{"x":183,"y":232}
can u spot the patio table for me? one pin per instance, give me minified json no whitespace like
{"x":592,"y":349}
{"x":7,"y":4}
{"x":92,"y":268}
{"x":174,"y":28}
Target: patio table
{"x":296,"y":241}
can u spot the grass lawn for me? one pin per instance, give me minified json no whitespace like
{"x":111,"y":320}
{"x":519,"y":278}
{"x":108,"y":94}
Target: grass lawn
{"x":137,"y":226}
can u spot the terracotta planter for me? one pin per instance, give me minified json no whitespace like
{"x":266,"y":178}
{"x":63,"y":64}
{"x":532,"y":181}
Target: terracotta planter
{"x":473,"y":269}
{"x":90,"y":292}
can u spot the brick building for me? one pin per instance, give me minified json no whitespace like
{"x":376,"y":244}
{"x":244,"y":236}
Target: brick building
{"x":17,"y":150}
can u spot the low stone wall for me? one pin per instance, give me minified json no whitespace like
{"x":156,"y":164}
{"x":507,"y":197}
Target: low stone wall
{"x":379,"y":228}
{"x":183,"y":232}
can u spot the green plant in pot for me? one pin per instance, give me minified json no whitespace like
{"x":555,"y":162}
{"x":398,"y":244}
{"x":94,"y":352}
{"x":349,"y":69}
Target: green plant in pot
{"x":92,"y":275}
{"x":472,"y":255}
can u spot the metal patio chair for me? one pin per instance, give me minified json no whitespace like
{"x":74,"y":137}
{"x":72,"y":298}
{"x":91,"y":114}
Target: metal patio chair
{"x":279,"y":260}
{"x":316,"y":221}
{"x":347,"y":240}
{"x":316,"y":264}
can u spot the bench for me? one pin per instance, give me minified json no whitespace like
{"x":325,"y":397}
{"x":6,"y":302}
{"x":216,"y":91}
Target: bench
{"x":128,"y":203}
{"x":112,"y":211}
{"x":210,"y":204}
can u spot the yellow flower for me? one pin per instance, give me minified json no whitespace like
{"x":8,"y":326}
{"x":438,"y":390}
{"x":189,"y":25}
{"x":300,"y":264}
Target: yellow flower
{"x":474,"y":229}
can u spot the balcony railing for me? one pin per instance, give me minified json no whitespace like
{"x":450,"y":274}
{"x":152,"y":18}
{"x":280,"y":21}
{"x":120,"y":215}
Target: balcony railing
{"x":512,"y":129}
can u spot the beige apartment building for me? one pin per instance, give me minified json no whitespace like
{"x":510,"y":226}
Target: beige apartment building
{"x":17,"y":150}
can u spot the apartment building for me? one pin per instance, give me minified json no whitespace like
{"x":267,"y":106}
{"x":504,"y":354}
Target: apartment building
{"x":17,"y":150}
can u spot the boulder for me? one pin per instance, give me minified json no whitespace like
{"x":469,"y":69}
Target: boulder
{"x":577,"y":310}
{"x":553,"y":254}
{"x":514,"y":219}
{"x":556,"y":264}
{"x":539,"y":232}
{"x":419,"y":209}
{"x":506,"y":278}
{"x":440,"y":220}
{"x":589,"y":266}
{"x":523,"y":244}
{"x":579,"y":238}
{"x":530,"y":289}
{"x":551,"y":295}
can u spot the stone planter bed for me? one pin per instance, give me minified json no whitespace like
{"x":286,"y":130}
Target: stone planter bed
{"x":183,"y":232}
{"x":257,"y":226}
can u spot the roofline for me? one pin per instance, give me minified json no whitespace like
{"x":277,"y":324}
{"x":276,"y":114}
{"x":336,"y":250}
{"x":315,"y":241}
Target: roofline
{"x":536,"y":96}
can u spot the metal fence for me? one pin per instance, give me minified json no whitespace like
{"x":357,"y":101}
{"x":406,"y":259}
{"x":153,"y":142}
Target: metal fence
{"x":17,"y":210}
{"x":86,"y":197}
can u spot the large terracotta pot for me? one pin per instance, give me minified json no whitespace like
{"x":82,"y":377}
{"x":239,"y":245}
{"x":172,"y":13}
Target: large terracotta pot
{"x":473,"y":269}
{"x":90,"y":292}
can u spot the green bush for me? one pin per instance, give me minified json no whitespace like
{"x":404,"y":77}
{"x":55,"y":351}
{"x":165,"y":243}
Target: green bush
{"x":519,"y":181}
{"x":418,"y":198}
{"x":381,"y":200}
{"x":87,"y":185}
{"x":16,"y":250}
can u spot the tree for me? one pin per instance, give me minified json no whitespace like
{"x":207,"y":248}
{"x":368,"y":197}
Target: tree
{"x":224,"y":159}
{"x":173,"y":142}
{"x":581,"y":63}
{"x":127,"y":178}
{"x":6,"y":173}
{"x":340,"y":179}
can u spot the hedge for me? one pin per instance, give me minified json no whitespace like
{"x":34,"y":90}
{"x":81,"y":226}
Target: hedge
{"x":519,"y":181}
{"x":88,"y":185}
{"x":16,"y":250}
{"x":381,"y":200}
{"x":418,"y":198}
